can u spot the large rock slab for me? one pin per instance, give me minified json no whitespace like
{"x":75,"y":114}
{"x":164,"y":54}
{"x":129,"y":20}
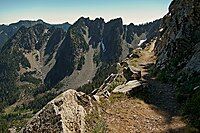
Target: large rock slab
{"x":129,"y":87}
{"x":103,"y":89}
{"x":65,"y":114}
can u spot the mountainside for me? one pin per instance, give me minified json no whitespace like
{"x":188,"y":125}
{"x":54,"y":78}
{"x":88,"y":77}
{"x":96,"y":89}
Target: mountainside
{"x":7,"y":31}
{"x":25,"y":60}
{"x":38,"y":45}
{"x":178,"y":51}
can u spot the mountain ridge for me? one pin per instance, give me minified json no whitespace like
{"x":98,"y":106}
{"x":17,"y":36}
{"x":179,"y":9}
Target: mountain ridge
{"x":7,"y":31}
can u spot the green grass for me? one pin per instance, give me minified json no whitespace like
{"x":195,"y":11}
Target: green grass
{"x":17,"y":118}
{"x":119,"y":81}
{"x":117,"y":97}
{"x":95,"y":123}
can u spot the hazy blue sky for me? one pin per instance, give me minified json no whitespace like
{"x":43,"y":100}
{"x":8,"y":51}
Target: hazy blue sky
{"x":59,"y":11}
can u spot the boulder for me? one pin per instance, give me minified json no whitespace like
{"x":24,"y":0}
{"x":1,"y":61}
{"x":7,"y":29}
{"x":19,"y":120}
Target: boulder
{"x":65,"y":114}
{"x":124,"y":64}
{"x":96,"y":98}
{"x":130,"y":87}
{"x":131,"y":73}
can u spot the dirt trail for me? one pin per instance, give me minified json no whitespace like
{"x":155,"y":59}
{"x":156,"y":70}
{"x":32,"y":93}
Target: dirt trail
{"x":135,"y":116}
{"x":132,"y":115}
{"x":162,"y":95}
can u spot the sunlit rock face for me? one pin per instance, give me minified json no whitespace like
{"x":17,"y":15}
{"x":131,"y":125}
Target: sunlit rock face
{"x":179,"y":36}
{"x":65,"y":114}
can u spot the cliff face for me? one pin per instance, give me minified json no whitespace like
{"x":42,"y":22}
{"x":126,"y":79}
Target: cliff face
{"x":178,"y":41}
{"x":179,"y":35}
{"x":71,"y":50}
{"x":96,"y":31}
{"x":112,"y":40}
{"x":178,"y":51}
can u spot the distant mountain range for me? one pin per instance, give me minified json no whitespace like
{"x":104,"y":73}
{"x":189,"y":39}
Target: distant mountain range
{"x":7,"y":31}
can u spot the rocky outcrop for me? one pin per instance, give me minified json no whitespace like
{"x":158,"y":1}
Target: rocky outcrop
{"x":178,"y":40}
{"x":125,"y":81}
{"x":131,"y":73}
{"x":103,"y":90}
{"x":66,"y":114}
{"x":128,"y":88}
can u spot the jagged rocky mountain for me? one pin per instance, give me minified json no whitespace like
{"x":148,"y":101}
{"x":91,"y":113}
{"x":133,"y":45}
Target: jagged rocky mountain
{"x":7,"y":31}
{"x":46,"y":46}
{"x":37,"y":44}
{"x":108,"y":40}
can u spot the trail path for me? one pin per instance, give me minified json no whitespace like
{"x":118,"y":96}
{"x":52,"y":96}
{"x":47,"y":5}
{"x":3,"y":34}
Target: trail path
{"x":133,"y":115}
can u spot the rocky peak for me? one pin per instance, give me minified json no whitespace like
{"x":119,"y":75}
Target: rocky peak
{"x":112,"y":40}
{"x":96,"y":31}
{"x":73,"y":47}
{"x":83,"y":33}
{"x":135,"y":33}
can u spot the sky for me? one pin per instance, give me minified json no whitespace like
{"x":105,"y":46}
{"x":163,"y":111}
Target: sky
{"x":60,"y":11}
